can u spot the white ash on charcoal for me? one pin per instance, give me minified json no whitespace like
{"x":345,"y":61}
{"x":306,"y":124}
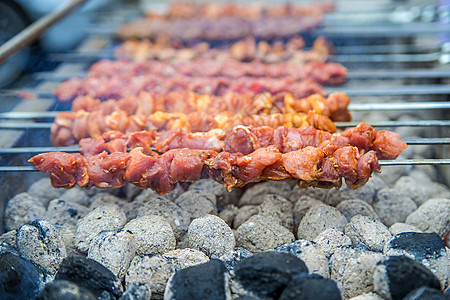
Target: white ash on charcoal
{"x":393,"y":173}
{"x":432,"y":216}
{"x":313,"y":286}
{"x":227,"y":214}
{"x":155,"y":270}
{"x":340,"y":258}
{"x":355,"y":207}
{"x":428,"y":181}
{"x":266,"y":274}
{"x":369,"y":296}
{"x":310,"y":253}
{"x":104,"y":217}
{"x":352,"y":268}
{"x":418,"y":191}
{"x":22,"y":209}
{"x":178,"y":217}
{"x":211,"y":235}
{"x":223,"y":196}
{"x":41,"y":243}
{"x":427,"y":248}
{"x":297,"y":193}
{"x":20,"y":278}
{"x":64,"y":213}
{"x":205,"y":281}
{"x":244,"y":213}
{"x":332,"y":239}
{"x":114,"y":250}
{"x":44,"y":191}
{"x":75,"y":195}
{"x":367,"y":231}
{"x":132,"y":191}
{"x":152,"y":235}
{"x":100,"y":199}
{"x":9,"y":238}
{"x":197,"y":203}
{"x":92,"y":191}
{"x":319,"y":218}
{"x":133,"y":208}
{"x":393,"y":206}
{"x":301,"y":207}
{"x":63,"y":289}
{"x":365,"y":193}
{"x":137,"y":291}
{"x":279,"y":209}
{"x":397,"y":228}
{"x":254,"y":195}
{"x":396,"y":276}
{"x":232,"y":258}
{"x":260,"y":234}
{"x":358,"y":274}
{"x":89,"y":274}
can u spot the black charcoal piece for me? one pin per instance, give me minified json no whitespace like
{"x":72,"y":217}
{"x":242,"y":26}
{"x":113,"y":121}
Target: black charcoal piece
{"x":89,"y":274}
{"x":396,"y":276}
{"x":20,"y":278}
{"x":65,"y":290}
{"x":420,"y":245}
{"x":231,"y":259}
{"x":426,"y":293}
{"x":204,"y":281}
{"x":311,"y":287}
{"x":268,"y":273}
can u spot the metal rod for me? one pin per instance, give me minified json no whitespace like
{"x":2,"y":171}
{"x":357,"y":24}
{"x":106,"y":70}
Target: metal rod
{"x":398,"y":74}
{"x":356,"y":74}
{"x":420,"y":123}
{"x":396,"y":106}
{"x":18,"y":169}
{"x":397,"y":58}
{"x":388,"y":48}
{"x":25,"y":126}
{"x":415,"y":162}
{"x":28,"y":114}
{"x":385,"y":30}
{"x":424,"y":89}
{"x":26,"y":94}
{"x":425,"y":141}
{"x":32,"y":32}
{"x":384,"y":163}
{"x":73,"y":149}
{"x":351,"y":107}
{"x":30,"y":150}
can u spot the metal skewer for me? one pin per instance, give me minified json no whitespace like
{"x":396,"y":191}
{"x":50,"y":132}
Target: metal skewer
{"x":398,"y":162}
{"x":419,"y":123}
{"x":351,"y":107}
{"x":73,"y":149}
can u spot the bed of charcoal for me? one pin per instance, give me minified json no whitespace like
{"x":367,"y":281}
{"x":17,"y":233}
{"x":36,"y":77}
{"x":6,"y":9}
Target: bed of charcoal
{"x":271,"y":240}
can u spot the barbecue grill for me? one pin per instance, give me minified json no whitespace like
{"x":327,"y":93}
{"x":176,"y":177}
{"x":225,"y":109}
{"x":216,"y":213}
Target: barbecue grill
{"x":398,"y":60}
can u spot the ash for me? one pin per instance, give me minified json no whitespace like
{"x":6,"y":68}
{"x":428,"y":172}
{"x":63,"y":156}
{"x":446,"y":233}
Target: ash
{"x":271,"y":240}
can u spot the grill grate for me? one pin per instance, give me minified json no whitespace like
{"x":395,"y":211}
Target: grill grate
{"x":399,"y":48}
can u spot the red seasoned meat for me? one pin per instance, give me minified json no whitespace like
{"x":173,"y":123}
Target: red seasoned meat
{"x":304,"y":164}
{"x":388,"y":145}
